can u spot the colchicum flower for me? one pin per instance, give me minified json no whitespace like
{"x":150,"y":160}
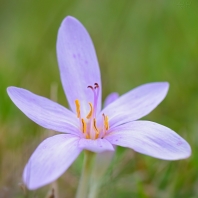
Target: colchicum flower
{"x":85,"y":126}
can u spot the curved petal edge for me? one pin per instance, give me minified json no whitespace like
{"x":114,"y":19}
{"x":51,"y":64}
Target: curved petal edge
{"x":151,"y":139}
{"x":50,"y":160}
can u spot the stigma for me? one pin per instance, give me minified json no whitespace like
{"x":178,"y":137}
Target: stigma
{"x":88,"y":124}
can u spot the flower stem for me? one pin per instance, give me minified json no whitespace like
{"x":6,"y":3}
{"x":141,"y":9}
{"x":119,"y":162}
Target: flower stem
{"x":101,"y":165}
{"x":94,"y":191}
{"x":86,"y":173}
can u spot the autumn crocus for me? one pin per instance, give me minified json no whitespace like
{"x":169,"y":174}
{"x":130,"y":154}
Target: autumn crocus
{"x":85,"y":126}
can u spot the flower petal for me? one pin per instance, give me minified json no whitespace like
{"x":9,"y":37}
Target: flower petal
{"x":151,"y":139}
{"x":43,"y":111}
{"x":111,"y":98}
{"x":77,"y":63}
{"x":97,"y":145}
{"x":136,"y":103}
{"x":50,"y":160}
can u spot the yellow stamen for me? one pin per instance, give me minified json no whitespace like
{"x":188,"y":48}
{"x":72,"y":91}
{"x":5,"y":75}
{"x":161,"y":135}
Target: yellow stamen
{"x":77,"y":102}
{"x":91,"y":111}
{"x":84,"y":126}
{"x":106,"y":122}
{"x":95,"y":127}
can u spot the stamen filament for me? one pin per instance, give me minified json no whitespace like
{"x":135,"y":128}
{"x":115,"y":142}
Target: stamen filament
{"x":95,"y":90}
{"x":87,"y":136}
{"x":97,"y":135}
{"x":96,"y":93}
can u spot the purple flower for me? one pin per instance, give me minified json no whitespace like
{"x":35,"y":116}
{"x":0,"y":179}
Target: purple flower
{"x":86,"y":126}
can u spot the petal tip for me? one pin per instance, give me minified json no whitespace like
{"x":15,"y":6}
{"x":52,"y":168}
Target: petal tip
{"x":69,"y":20}
{"x":10,"y":90}
{"x":188,"y":151}
{"x":166,"y":85}
{"x":163,"y":87}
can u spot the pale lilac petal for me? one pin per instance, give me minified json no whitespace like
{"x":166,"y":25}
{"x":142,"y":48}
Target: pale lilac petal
{"x":151,"y":139}
{"x":136,"y":103}
{"x":50,"y":160}
{"x":97,"y":146}
{"x":77,"y":63}
{"x":43,"y":111}
{"x":111,"y":98}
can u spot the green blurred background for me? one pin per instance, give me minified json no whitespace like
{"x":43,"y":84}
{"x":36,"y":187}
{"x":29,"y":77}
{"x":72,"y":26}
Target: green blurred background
{"x":137,"y":41}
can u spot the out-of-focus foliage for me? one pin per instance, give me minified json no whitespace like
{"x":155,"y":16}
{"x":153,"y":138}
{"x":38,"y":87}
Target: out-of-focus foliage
{"x":136,"y":42}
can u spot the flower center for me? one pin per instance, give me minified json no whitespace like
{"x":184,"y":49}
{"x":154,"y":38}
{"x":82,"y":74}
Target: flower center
{"x":88,"y":125}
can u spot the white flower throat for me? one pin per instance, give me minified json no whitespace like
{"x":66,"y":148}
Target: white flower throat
{"x":88,"y":125}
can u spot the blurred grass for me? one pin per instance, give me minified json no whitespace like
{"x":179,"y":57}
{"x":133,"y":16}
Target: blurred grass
{"x":136,"y":42}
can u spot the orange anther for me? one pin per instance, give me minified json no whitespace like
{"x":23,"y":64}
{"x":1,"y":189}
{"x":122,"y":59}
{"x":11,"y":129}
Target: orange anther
{"x":95,"y":127}
{"x":84,"y":126}
{"x":106,"y":121}
{"x":77,"y":103}
{"x":91,"y":111}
